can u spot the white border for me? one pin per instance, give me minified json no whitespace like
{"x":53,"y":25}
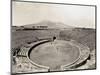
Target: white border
{"x":5,"y":37}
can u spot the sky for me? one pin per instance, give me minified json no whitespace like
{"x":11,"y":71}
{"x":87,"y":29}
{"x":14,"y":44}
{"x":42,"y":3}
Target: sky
{"x":24,"y":13}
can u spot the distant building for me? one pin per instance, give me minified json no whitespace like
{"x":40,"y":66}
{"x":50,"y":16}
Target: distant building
{"x":39,"y":27}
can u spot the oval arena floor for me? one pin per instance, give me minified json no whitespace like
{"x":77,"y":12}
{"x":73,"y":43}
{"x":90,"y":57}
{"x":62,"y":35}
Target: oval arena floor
{"x":55,"y":54}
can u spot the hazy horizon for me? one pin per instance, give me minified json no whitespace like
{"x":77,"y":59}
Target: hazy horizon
{"x":24,"y":13}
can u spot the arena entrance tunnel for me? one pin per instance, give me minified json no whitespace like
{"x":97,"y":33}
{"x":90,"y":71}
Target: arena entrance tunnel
{"x":55,"y":55}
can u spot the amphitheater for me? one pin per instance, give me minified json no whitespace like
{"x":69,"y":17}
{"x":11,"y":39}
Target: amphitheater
{"x":47,"y":55}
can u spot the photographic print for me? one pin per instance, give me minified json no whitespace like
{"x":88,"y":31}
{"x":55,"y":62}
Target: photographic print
{"x":52,"y":37}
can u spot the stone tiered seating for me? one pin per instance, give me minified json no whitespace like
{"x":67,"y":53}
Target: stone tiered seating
{"x":23,"y":52}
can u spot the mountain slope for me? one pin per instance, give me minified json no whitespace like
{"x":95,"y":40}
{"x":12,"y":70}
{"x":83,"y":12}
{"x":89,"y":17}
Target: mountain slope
{"x":49,"y":24}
